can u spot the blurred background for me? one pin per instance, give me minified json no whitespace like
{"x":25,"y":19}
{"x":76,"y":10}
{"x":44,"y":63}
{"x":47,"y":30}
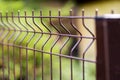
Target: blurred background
{"x":103,"y":6}
{"x":65,"y":5}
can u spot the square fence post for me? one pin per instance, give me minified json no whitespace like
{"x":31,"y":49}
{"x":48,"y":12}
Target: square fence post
{"x":108,"y":47}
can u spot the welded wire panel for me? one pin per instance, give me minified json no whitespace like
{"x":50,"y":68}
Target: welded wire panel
{"x":39,"y":47}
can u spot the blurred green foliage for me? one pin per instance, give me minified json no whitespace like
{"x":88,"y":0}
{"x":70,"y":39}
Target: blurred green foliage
{"x":36,"y":6}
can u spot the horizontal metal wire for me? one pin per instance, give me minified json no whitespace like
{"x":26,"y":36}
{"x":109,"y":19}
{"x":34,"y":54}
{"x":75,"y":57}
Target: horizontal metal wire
{"x":64,"y":35}
{"x":68,"y":17}
{"x":56,"y":54}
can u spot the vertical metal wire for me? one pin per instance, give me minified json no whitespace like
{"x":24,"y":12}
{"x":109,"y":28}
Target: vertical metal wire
{"x":76,"y":44}
{"x":28,"y":44}
{"x":26,"y":55}
{"x":2,"y":31}
{"x":17,"y":35}
{"x":66,"y":41}
{"x":3,"y":61}
{"x":89,"y":45}
{"x":38,"y":37}
{"x":20,"y":42}
{"x":20,"y":47}
{"x":112,"y":11}
{"x":42,"y":56}
{"x":14,"y":73}
{"x":71,"y":52}
{"x":34,"y":55}
{"x":2,"y":28}
{"x":8,"y":48}
{"x":2,"y":40}
{"x":2,"y":51}
{"x":20,"y":56}
{"x":58,"y":38}
{"x":60,"y":59}
{"x":35,"y":43}
{"x":96,"y":12}
{"x":51,"y":74}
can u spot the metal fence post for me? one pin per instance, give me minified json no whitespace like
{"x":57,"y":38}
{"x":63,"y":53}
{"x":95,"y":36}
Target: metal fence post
{"x":108,"y":47}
